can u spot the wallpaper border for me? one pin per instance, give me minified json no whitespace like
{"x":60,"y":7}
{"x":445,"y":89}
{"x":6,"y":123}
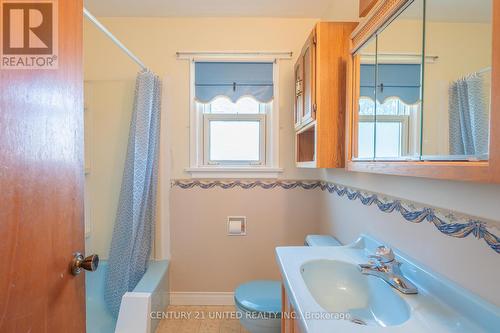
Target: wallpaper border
{"x":450,"y":223}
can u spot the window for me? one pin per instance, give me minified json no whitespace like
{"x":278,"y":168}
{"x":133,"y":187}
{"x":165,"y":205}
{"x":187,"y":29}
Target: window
{"x":234,"y":129}
{"x":389,"y":111}
{"x":396,"y":129}
{"x":234,"y":133}
{"x":391,"y":136}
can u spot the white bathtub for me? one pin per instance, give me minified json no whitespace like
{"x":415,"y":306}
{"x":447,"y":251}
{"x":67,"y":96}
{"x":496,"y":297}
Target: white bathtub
{"x":150,"y":294}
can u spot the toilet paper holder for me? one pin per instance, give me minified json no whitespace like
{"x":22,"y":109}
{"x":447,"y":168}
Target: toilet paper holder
{"x":236,"y":225}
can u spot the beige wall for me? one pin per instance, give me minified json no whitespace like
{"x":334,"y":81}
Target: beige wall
{"x":475,"y":199}
{"x":342,"y":10}
{"x":205,"y":259}
{"x":155,"y":41}
{"x":468,"y":262}
{"x":108,"y":112}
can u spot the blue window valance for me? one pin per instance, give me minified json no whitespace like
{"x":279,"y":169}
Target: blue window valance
{"x":394,"y":80}
{"x":234,"y":80}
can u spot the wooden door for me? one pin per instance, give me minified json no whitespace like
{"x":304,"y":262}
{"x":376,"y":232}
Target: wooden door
{"x":41,"y":187}
{"x":309,"y":59}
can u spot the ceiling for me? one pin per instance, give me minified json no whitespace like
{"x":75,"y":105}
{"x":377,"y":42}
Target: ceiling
{"x":437,"y":10}
{"x":218,"y":8}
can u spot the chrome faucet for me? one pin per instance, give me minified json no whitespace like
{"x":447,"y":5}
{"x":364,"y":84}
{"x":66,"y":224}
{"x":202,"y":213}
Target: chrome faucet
{"x":385,"y":266}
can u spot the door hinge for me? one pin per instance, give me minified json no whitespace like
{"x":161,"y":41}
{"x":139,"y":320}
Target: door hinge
{"x":315,"y":108}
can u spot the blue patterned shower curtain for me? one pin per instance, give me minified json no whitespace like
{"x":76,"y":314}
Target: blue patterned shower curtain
{"x":134,"y":226}
{"x":469,"y":117}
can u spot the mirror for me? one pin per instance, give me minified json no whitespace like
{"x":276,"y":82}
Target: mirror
{"x":389,"y":102}
{"x":365,"y":148}
{"x":399,"y":101}
{"x":457,"y":85}
{"x":432,"y":105}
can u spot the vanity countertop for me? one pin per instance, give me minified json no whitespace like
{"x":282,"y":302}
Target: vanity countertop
{"x":440,"y":305}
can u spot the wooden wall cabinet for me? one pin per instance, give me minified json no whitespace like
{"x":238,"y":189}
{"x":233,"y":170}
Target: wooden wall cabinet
{"x":305,"y":77}
{"x":479,"y":170}
{"x":365,"y":6}
{"x":320,"y":81}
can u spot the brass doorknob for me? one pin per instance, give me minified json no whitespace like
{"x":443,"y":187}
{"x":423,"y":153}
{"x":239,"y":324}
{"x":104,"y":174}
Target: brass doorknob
{"x":79,"y":262}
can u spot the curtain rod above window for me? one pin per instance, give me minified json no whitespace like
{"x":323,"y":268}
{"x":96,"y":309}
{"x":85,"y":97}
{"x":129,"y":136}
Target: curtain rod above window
{"x":398,"y":58}
{"x":235,"y":55}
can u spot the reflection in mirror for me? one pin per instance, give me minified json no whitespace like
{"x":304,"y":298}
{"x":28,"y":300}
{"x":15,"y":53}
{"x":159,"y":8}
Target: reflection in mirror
{"x":390,"y":89}
{"x":365,"y":148}
{"x":398,"y":87}
{"x":457,"y":85}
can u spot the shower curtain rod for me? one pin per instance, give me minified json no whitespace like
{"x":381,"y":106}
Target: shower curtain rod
{"x":484,"y":70}
{"x":115,"y":40}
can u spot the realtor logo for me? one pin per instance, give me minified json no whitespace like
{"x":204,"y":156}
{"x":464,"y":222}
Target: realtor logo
{"x":29,"y":34}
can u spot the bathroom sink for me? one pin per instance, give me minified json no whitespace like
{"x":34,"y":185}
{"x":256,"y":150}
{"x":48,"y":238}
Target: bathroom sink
{"x":339,"y":287}
{"x":328,"y":293}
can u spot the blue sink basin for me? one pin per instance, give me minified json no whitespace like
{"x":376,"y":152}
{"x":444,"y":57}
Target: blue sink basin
{"x":339,"y":287}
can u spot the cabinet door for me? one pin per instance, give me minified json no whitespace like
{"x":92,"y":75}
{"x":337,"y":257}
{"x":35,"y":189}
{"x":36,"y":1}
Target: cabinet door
{"x":299,"y":91}
{"x":289,"y":323}
{"x":309,"y":59}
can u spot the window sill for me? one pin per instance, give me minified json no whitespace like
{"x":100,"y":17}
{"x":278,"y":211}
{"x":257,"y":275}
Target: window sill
{"x":234,"y":172}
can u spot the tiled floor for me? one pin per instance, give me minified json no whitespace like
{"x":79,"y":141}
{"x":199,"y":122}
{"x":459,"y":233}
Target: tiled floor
{"x":200,"y":319}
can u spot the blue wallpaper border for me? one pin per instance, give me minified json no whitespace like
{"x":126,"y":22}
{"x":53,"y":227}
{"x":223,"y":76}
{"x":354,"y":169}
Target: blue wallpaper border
{"x":449,"y":223}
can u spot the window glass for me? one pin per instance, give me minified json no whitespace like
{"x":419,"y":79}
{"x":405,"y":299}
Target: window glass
{"x":248,"y":105}
{"x":245,"y":105}
{"x":234,"y":140}
{"x":366,"y":137}
{"x":221,"y":105}
{"x":393,"y":130}
{"x":391,"y":146}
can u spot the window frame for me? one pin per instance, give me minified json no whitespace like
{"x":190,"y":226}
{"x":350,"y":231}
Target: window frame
{"x":198,"y":166}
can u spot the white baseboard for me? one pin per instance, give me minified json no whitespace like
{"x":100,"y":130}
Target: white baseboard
{"x":201,"y":298}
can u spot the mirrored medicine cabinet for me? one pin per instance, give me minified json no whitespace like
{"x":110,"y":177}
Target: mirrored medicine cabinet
{"x":424,"y":90}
